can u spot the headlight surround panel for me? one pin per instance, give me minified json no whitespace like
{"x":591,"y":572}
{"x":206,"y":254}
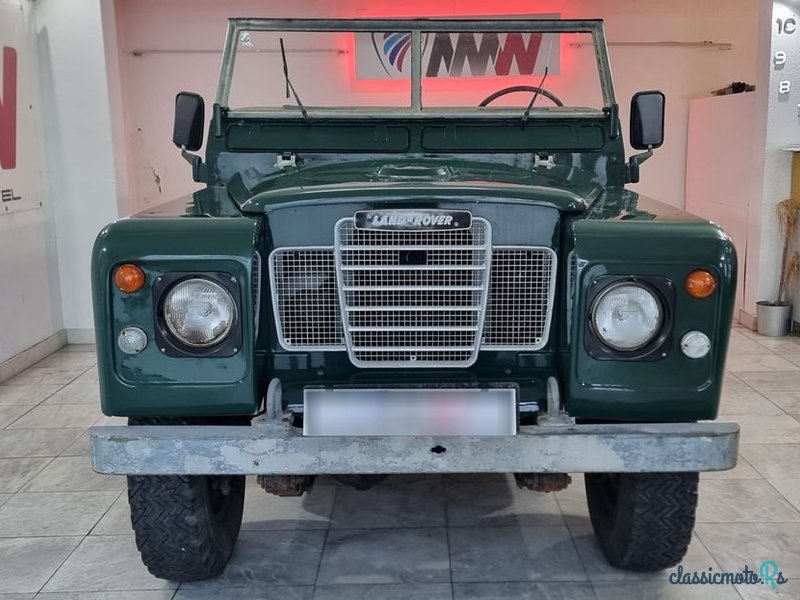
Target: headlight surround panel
{"x":659,"y":346}
{"x":168,"y":343}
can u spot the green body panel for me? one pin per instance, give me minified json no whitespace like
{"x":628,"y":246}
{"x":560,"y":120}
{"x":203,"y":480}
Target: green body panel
{"x":557,"y":181}
{"x":151,"y":383}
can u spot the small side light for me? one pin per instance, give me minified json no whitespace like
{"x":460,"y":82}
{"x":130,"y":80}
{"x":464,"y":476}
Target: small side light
{"x":132,"y":340}
{"x":700,"y":283}
{"x":695,"y":344}
{"x":129,"y":278}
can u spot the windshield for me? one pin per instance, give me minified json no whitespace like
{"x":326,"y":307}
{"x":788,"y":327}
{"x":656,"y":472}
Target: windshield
{"x":302,"y":67}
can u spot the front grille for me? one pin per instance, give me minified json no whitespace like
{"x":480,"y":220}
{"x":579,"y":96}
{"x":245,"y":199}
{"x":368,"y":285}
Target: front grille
{"x":413,"y":298}
{"x":305,"y":299}
{"x":520,"y":298}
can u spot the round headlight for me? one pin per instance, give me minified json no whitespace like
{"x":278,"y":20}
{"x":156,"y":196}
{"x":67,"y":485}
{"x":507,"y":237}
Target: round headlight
{"x":199,"y":312}
{"x":627,"y":316}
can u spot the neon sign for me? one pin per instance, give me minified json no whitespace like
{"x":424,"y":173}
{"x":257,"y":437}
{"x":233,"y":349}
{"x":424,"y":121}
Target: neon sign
{"x":387,"y":55}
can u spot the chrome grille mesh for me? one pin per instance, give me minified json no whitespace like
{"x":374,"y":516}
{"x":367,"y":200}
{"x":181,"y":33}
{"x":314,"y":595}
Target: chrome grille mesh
{"x":305,"y":299}
{"x":520,"y":298}
{"x":413,"y":298}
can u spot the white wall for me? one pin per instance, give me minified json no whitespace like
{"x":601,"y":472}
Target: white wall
{"x":190,"y":31}
{"x":79,"y":139}
{"x":780,"y":124}
{"x":29,"y":288}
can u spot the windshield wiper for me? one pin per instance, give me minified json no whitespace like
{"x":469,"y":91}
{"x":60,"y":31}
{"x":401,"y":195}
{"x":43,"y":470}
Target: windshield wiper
{"x":289,"y":85}
{"x":527,"y":112}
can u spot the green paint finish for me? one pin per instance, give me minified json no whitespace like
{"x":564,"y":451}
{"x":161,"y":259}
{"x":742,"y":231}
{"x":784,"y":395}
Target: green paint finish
{"x":151,"y":383}
{"x":279,"y":180}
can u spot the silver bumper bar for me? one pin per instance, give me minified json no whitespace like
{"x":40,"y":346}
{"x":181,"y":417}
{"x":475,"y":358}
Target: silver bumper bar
{"x":274,"y":448}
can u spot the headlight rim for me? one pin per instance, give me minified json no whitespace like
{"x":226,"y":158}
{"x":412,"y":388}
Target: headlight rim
{"x":205,"y":280}
{"x":614,"y":286}
{"x":170,"y":345}
{"x":662,"y":287}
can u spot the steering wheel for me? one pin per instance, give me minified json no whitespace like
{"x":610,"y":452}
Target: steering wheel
{"x":522,"y":88}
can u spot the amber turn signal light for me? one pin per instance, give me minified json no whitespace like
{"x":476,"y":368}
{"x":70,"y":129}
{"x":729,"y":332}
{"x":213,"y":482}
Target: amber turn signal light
{"x":129,"y":278}
{"x":700,"y":283}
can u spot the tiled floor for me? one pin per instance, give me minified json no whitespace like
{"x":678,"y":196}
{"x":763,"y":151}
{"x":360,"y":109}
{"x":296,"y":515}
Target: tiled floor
{"x":65,"y":531}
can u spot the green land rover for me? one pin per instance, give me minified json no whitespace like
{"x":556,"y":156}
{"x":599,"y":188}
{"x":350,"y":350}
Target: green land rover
{"x":398,"y":272}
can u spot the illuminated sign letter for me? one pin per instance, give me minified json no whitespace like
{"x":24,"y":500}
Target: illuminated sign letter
{"x":8,"y":110}
{"x":515,"y":48}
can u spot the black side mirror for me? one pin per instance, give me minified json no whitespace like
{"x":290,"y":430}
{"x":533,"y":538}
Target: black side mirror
{"x":189,"y":121}
{"x":647,"y":120}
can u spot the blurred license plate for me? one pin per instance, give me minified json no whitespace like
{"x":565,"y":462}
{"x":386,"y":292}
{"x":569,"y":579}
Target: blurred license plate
{"x":361,"y":412}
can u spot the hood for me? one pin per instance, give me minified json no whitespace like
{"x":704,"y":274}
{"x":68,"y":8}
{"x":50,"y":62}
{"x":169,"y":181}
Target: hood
{"x":557,"y":186}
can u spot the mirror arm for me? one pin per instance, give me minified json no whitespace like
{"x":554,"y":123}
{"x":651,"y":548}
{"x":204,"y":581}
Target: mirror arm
{"x":198,"y":168}
{"x":634,"y":162}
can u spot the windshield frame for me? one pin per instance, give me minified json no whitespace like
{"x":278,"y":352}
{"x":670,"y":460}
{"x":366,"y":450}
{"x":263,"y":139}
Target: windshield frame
{"x":417,"y":27}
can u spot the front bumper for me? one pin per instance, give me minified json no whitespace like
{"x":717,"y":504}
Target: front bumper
{"x":275,"y":448}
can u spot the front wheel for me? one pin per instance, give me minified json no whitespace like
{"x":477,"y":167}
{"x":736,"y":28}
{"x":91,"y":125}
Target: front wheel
{"x":186,"y":526}
{"x":643,"y":521}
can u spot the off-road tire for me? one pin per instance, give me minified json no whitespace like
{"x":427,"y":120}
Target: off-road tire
{"x":186,"y":526}
{"x":643,"y":521}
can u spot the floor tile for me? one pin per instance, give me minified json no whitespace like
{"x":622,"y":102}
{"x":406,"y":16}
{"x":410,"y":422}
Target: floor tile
{"x":53,"y":513}
{"x":390,"y":504}
{"x":117,"y":595}
{"x":766,"y":383}
{"x":403,"y":591}
{"x":20,"y":443}
{"x":80,"y":447}
{"x":661,"y":590}
{"x":89,"y":377}
{"x":787,"y":591}
{"x":68,"y":360}
{"x":15,"y":472}
{"x":741,"y":344}
{"x":269,"y":558}
{"x":787,"y":401}
{"x":266,"y":512}
{"x":524,"y":591}
{"x":104,"y":564}
{"x":768,"y":430}
{"x":504,"y":504}
{"x":572,"y":502}
{"x":598,"y":568}
{"x":59,"y":416}
{"x":26,"y":395}
{"x":742,"y":501}
{"x":46,"y":376}
{"x":385,"y":556}
{"x":106,"y":421}
{"x":738,"y":398}
{"x":765,"y":361}
{"x":11,"y":412}
{"x":773,"y":461}
{"x":738,"y":544}
{"x":73,"y":474}
{"x":485,"y":554}
{"x":117,"y":520}
{"x":789,"y":489}
{"x":258,"y":592}
{"x":79,"y":348}
{"x":76,"y":393}
{"x":29,"y":562}
{"x":742,"y":470}
{"x":779,"y":345}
